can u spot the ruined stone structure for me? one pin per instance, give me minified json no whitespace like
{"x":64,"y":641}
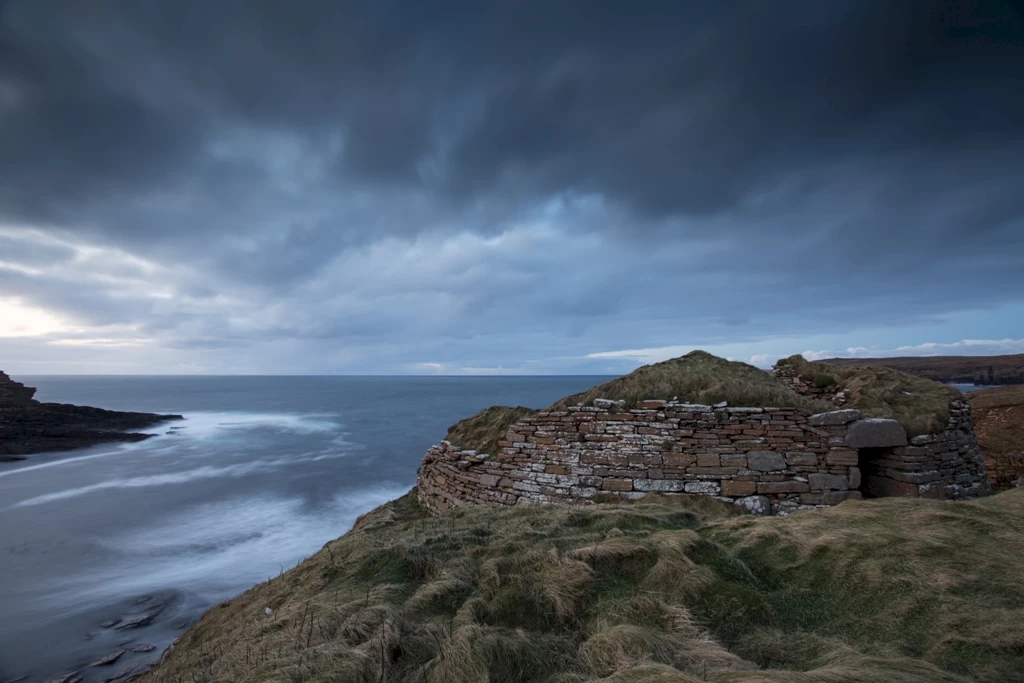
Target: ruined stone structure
{"x":769,"y":460}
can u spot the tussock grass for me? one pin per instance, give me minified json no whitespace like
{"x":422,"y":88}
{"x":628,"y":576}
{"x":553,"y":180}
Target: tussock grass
{"x":697,"y":377}
{"x":668,"y":590}
{"x":921,"y":405}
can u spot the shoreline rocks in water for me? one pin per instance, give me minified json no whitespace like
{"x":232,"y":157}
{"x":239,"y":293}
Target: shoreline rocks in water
{"x":28,"y":426}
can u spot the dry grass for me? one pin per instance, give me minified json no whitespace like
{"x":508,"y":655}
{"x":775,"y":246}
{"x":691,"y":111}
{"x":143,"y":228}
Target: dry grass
{"x":921,"y":405}
{"x":670,"y":591}
{"x":697,"y":377}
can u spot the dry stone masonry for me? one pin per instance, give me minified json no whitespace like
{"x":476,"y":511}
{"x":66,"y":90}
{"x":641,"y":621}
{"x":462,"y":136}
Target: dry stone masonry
{"x":768,"y":460}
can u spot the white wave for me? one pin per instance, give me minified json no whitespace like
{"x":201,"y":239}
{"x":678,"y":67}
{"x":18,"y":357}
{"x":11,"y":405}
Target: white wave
{"x":204,"y":426}
{"x":66,"y":461}
{"x":220,"y":549}
{"x":201,"y":427}
{"x":183,"y":477}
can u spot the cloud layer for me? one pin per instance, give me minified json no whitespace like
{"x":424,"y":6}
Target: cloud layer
{"x":266,"y":186}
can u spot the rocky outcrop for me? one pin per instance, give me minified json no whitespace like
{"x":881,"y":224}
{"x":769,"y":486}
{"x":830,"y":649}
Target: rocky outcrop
{"x":28,"y":426}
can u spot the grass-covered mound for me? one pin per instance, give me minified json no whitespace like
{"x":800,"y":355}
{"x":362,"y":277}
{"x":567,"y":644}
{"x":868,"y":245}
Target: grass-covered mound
{"x":921,"y":405}
{"x":670,"y":590}
{"x":483,"y":431}
{"x":698,"y":377}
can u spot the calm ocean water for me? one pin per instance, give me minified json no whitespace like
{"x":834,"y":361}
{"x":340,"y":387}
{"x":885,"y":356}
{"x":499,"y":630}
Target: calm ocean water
{"x":262,"y":473}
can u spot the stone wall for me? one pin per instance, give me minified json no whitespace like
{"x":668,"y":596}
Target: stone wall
{"x":770,"y":460}
{"x":788,"y":375}
{"x":947,"y":465}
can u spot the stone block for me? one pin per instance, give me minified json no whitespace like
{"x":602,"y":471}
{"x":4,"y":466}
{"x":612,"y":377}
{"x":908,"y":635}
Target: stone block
{"x":705,"y":487}
{"x":772,"y":487}
{"x":828,"y":482}
{"x":914,"y":477}
{"x":801,"y":458}
{"x":854,"y":477}
{"x":758,"y":505}
{"x":658,"y":485}
{"x":556,"y":469}
{"x":876,"y":432}
{"x":766,"y":461}
{"x":842,"y":458}
{"x":733,"y":459}
{"x":738,"y":488}
{"x":611,"y":484}
{"x":651,"y":405}
{"x":708,"y":460}
{"x":835,"y":417}
{"x":489,"y":480}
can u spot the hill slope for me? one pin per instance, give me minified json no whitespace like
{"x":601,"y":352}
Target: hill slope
{"x":678,"y":590}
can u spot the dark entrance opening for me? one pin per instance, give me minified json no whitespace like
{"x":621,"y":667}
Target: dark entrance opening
{"x":872,"y":474}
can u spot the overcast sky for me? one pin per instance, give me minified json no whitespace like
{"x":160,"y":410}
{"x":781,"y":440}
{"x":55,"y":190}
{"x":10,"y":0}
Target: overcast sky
{"x":263,"y":186}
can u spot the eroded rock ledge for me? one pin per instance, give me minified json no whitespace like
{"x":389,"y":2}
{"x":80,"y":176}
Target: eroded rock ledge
{"x":28,"y":426}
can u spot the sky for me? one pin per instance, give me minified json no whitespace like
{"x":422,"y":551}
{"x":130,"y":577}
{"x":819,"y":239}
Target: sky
{"x":509,"y":187}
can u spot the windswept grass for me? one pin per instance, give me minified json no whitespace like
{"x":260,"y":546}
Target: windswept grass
{"x":670,"y":590}
{"x":483,"y":431}
{"x":698,"y":377}
{"x":920,"y":405}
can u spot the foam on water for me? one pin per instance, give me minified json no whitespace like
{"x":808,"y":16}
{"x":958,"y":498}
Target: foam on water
{"x":218,"y":549}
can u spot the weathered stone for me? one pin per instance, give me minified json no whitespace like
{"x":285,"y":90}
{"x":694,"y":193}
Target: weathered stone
{"x":651,"y":405}
{"x":771,"y":487}
{"x":766,"y":461}
{"x":876,"y":432}
{"x":827,"y":482}
{"x":799,"y":458}
{"x":610,"y":484}
{"x":705,"y":487}
{"x":658,"y":485}
{"x":758,"y":505}
{"x":109,"y":659}
{"x":738,"y":488}
{"x":835,"y":417}
{"x":607,"y":403}
{"x":842,"y":458}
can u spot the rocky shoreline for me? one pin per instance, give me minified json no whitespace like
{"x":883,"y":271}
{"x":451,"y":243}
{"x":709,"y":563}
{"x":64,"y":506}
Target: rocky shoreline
{"x":28,"y":426}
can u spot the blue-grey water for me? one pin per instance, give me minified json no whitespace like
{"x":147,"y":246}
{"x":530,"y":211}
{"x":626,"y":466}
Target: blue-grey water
{"x":260,"y":475}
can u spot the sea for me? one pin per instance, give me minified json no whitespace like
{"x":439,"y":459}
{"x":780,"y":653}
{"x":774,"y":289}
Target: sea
{"x":120,"y":548}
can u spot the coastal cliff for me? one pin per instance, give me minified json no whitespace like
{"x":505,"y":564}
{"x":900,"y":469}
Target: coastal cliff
{"x":28,"y":426}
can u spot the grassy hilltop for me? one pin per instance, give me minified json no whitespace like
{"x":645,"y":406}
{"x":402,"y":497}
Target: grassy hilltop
{"x":699,"y":377}
{"x":667,"y":591}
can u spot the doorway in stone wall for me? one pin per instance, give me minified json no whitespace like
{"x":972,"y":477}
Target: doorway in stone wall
{"x":871,"y":471}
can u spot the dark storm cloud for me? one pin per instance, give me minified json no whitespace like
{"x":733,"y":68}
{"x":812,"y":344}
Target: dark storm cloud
{"x":776,"y":154}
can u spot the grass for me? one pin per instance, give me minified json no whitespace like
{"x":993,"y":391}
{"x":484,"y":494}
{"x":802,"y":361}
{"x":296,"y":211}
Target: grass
{"x":483,"y":431}
{"x":921,"y":405}
{"x":698,"y":377}
{"x":667,"y":590}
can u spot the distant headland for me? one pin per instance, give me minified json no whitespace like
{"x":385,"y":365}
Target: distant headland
{"x":28,"y":426}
